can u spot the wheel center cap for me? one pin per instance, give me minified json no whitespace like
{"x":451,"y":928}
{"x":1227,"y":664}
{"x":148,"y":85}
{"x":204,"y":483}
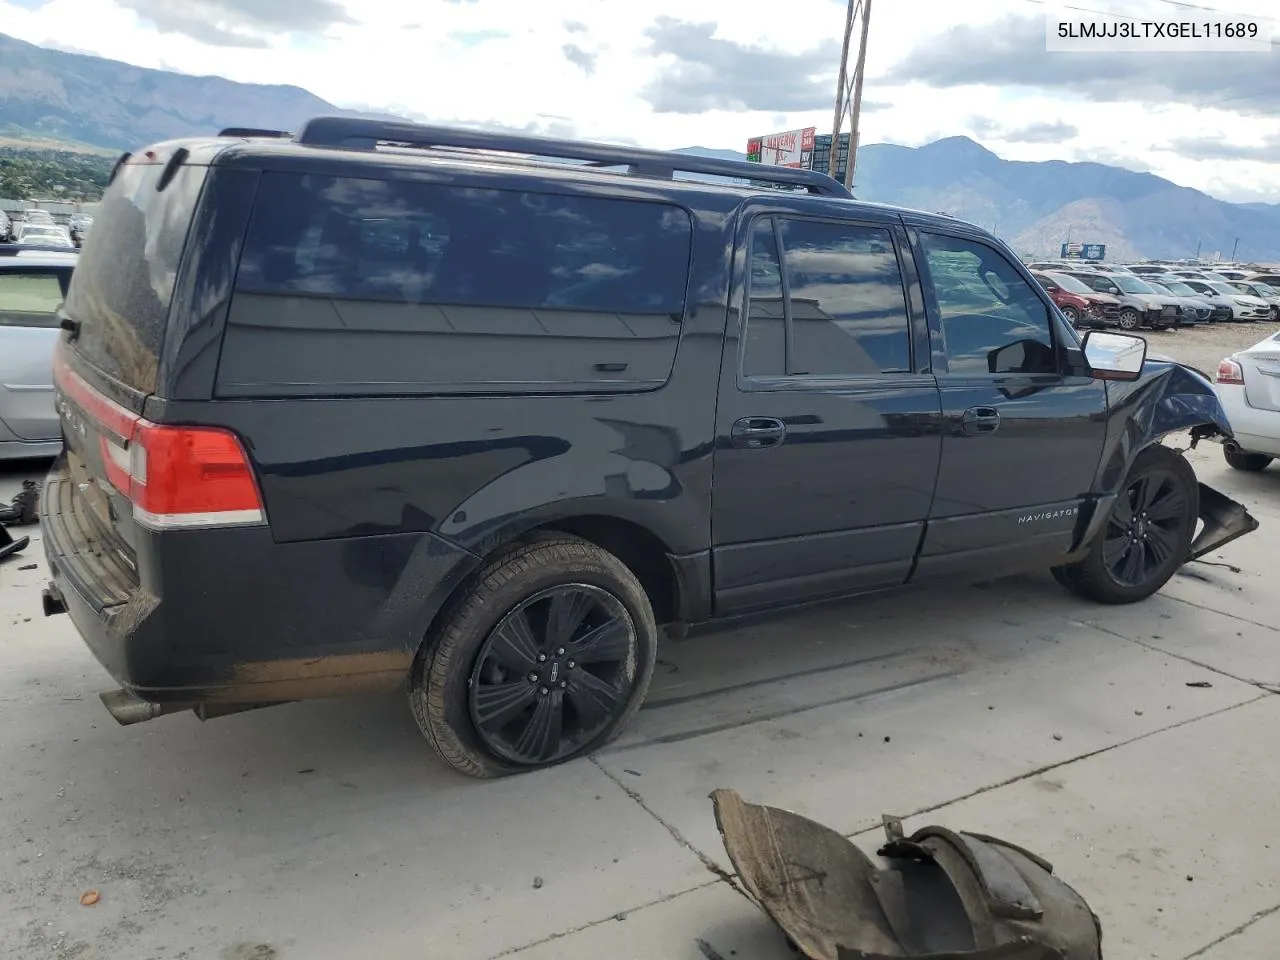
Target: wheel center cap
{"x":553,"y":671}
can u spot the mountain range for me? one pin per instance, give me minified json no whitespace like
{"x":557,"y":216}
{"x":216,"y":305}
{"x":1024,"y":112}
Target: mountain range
{"x":51,"y":95}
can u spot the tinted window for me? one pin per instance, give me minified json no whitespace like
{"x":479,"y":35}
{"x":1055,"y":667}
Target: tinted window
{"x":992,"y":320}
{"x":124,"y":278}
{"x":350,"y":285}
{"x":847,"y":307}
{"x":30,"y":298}
{"x":765,"y":350}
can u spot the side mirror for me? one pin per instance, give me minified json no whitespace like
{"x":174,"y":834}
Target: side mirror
{"x":1114,"y":356}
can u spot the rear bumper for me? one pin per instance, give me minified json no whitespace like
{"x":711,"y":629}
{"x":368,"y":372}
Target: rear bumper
{"x":228,"y":616}
{"x":1254,"y":430}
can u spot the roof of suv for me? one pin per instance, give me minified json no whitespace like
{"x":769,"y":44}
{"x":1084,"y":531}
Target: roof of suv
{"x":393,"y":144}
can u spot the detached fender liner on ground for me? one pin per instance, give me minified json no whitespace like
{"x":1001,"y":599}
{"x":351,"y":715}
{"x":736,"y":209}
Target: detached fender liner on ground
{"x":941,"y":895}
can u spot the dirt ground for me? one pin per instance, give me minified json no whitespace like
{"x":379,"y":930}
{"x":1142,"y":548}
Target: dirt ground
{"x":1134,"y":747}
{"x":1204,"y":345}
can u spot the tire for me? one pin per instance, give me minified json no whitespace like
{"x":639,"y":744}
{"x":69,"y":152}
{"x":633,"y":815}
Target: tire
{"x":496,"y":637}
{"x":1248,"y":462}
{"x":1129,"y":319}
{"x":1072,"y":315}
{"x":1116,"y":570}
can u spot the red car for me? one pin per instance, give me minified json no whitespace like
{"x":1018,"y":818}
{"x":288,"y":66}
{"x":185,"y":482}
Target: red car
{"x":1081,"y":304}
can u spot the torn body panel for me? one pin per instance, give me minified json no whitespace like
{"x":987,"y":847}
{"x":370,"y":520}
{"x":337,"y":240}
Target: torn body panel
{"x":940,"y":894}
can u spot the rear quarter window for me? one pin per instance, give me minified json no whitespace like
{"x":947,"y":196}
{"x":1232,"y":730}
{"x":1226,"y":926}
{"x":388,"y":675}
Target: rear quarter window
{"x":364,"y":287}
{"x":123,"y":281}
{"x":30,"y":297}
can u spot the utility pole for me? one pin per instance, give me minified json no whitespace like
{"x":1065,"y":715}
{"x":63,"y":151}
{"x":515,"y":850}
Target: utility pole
{"x":849,"y":90}
{"x":838,"y":119}
{"x":857,"y":94}
{"x":1234,"y":247}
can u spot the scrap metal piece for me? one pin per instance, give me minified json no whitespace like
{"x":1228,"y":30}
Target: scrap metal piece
{"x":939,"y":894}
{"x":10,"y":546}
{"x":24,"y":508}
{"x":1224,"y":520}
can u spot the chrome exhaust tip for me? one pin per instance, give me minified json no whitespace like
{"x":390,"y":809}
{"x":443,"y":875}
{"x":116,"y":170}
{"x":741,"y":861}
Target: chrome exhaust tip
{"x":126,"y":709}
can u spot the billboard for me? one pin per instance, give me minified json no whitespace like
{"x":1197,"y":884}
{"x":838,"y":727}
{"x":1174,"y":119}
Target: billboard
{"x":1084,"y":251}
{"x":792,"y":148}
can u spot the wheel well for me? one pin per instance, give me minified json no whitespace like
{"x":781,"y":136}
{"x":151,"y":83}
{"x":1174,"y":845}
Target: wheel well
{"x":644,"y":554}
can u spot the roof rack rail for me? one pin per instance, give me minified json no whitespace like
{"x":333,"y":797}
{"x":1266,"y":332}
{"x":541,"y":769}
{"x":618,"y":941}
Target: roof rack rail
{"x":253,"y":132}
{"x":358,"y":133}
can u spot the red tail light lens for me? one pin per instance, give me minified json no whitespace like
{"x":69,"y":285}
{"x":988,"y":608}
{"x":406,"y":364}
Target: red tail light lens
{"x":174,"y":476}
{"x":190,"y":476}
{"x":1229,"y":372}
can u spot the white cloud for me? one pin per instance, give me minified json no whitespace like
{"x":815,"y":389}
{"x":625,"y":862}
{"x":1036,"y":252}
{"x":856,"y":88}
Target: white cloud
{"x":504,"y":61}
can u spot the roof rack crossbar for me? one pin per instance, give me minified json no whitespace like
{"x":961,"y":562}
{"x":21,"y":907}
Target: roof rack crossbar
{"x":359,"y":133}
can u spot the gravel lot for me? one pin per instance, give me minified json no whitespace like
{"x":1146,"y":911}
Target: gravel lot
{"x":1134,"y":747}
{"x":1203,"y":346}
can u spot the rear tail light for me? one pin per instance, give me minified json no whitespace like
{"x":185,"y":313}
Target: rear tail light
{"x":1229,"y":372}
{"x":176,"y":477}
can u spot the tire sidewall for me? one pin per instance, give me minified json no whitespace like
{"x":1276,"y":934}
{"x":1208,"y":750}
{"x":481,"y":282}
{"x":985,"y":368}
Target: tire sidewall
{"x":447,"y":661}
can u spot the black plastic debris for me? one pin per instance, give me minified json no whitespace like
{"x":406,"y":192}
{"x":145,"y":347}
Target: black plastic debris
{"x":938,"y":893}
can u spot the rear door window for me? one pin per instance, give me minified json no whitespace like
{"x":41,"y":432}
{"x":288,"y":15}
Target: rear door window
{"x":30,"y":297}
{"x":124,"y":277}
{"x":357,"y":287}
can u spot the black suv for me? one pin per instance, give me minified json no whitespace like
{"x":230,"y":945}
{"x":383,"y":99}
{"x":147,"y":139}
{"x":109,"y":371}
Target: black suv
{"x":380,"y":404}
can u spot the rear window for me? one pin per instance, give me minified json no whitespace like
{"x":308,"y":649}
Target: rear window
{"x":357,"y":287}
{"x":124,"y":279}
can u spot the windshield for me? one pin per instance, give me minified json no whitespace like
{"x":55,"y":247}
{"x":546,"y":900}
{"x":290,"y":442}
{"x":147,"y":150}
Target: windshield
{"x":1131,"y":285}
{"x":41,"y":232}
{"x":1266,"y":290}
{"x":1180,"y":288}
{"x":1225,"y":289}
{"x":1069,"y":283}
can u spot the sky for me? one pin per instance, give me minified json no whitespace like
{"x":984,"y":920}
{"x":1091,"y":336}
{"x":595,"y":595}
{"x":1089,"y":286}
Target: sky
{"x":674,"y":73}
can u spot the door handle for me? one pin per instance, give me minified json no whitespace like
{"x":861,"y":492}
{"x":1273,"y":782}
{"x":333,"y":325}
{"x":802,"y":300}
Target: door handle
{"x":753,"y":433}
{"x":979,"y":420}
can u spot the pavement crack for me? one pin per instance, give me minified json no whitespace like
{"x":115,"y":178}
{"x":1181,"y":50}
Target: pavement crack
{"x":612,"y":918}
{"x":1261,"y":915}
{"x":1222,"y":613}
{"x":932,"y":808}
{"x":676,"y":835}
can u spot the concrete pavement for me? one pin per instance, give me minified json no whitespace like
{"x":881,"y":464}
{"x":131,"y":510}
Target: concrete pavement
{"x":328,"y":829}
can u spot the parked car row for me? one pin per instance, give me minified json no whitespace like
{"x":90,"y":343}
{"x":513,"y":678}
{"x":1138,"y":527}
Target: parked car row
{"x":1154,"y":296}
{"x":39,"y":226}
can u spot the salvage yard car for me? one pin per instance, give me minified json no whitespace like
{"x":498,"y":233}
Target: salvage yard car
{"x":33,"y":283}
{"x":1248,"y":384}
{"x":380,"y":404}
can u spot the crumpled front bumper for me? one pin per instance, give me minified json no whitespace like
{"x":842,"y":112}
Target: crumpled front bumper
{"x":1224,"y":520}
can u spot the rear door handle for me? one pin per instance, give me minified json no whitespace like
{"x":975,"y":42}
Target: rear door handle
{"x":978,"y":420}
{"x":753,"y":433}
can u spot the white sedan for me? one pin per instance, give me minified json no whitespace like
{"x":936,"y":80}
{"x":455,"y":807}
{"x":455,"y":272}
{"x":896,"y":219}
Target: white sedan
{"x":1248,"y":385}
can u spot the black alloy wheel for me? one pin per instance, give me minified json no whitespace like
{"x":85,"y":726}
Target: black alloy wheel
{"x":553,"y":674}
{"x":1147,"y":535}
{"x":1145,"y":528}
{"x":542,"y":655}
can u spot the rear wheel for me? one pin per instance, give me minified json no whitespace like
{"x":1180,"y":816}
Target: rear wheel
{"x":545,"y":657}
{"x":1146,"y":537}
{"x":1249,"y":462}
{"x":1129,"y":319}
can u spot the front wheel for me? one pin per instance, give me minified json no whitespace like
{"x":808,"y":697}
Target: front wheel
{"x":1129,"y":319}
{"x":1146,"y":537}
{"x":1249,"y":462}
{"x":544,"y":658}
{"x":1072,"y":314}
